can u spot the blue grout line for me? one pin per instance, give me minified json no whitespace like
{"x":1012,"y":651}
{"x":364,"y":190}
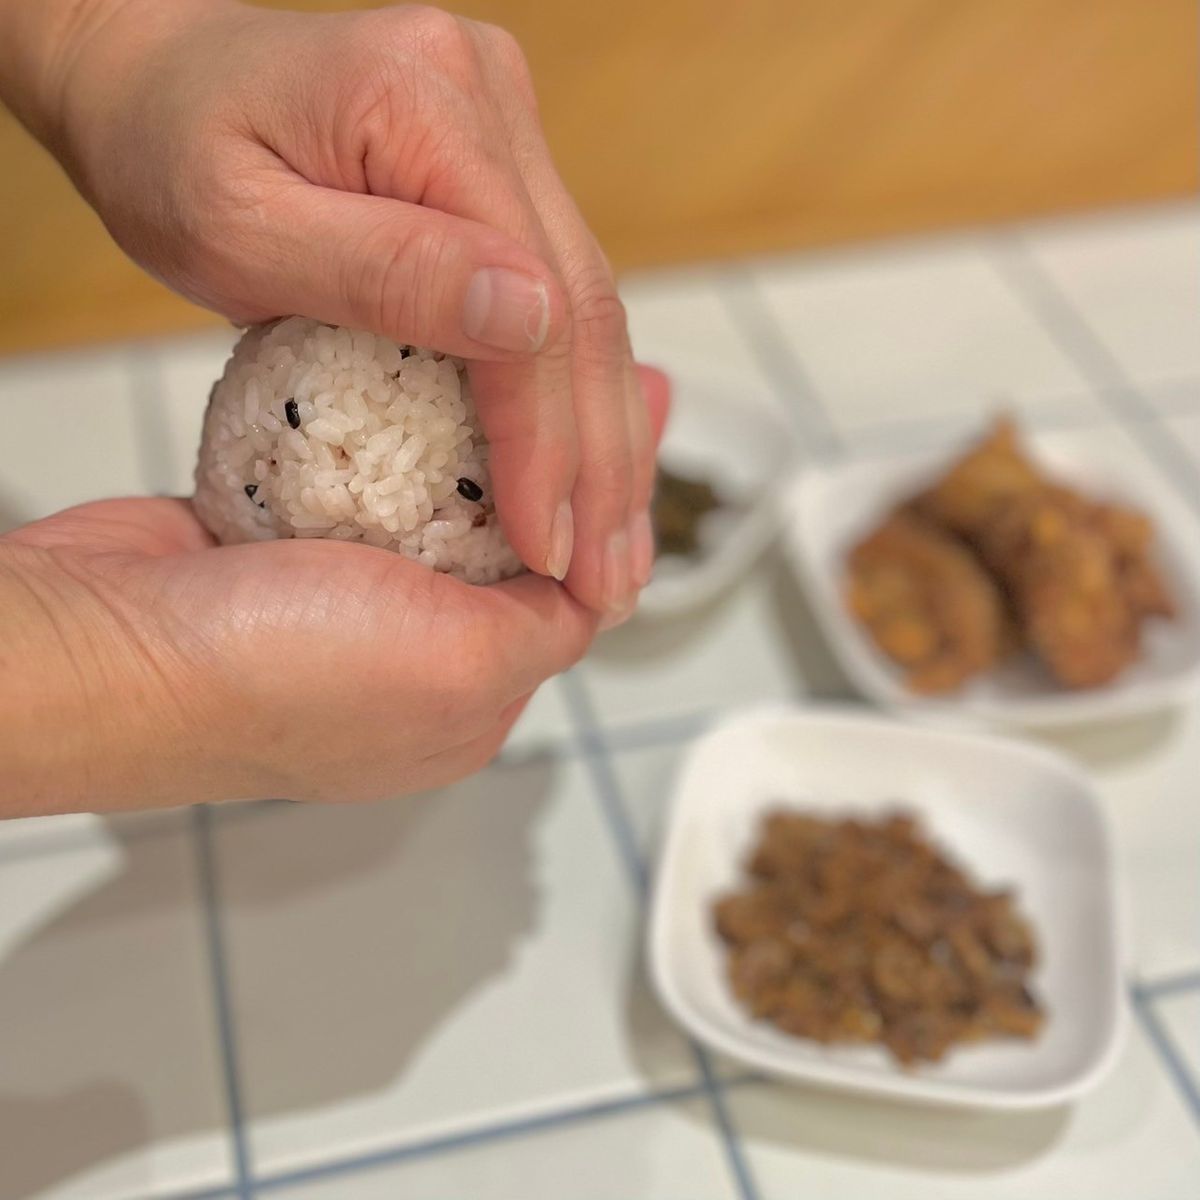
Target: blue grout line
{"x":1074,"y":335}
{"x":210,"y":890}
{"x":502,"y":1130}
{"x":608,"y":790}
{"x":903,"y":434}
{"x":740,"y":1168}
{"x":762,"y":332}
{"x":1143,"y":1007}
{"x":604,"y":780}
{"x":216,"y":1193}
{"x":1170,"y":985}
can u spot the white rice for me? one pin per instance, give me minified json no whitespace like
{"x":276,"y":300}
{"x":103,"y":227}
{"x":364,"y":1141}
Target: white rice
{"x":386,"y":433}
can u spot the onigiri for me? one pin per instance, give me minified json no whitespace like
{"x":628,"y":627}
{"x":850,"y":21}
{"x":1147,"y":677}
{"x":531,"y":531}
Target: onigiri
{"x":322,"y":431}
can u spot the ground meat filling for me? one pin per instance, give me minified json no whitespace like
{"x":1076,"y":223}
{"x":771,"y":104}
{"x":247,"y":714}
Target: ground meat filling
{"x":859,"y":931}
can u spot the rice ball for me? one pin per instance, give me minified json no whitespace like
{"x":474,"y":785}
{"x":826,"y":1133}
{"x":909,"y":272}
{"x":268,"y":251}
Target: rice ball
{"x":321,"y":431}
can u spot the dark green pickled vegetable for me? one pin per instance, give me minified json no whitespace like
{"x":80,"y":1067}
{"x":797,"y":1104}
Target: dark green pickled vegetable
{"x":679,"y":506}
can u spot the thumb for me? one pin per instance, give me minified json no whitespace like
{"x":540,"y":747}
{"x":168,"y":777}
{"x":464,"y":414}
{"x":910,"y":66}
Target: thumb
{"x":533,"y":629}
{"x":413,"y":274}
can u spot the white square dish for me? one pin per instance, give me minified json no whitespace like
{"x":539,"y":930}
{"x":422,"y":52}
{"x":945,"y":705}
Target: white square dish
{"x":1012,"y":814}
{"x":828,"y":508}
{"x":735,"y":439}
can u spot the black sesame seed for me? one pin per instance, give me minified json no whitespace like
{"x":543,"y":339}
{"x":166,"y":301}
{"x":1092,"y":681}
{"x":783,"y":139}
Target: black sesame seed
{"x":292,"y":411}
{"x":468,"y":489}
{"x":250,"y":489}
{"x":405,"y":351}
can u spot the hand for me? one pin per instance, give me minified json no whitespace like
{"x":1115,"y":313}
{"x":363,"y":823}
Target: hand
{"x":382,"y":169}
{"x":142,"y":666}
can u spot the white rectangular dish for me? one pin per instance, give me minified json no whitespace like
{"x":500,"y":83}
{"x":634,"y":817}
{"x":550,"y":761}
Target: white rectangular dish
{"x":738,"y":442}
{"x":1012,"y":814}
{"x":829,"y":507}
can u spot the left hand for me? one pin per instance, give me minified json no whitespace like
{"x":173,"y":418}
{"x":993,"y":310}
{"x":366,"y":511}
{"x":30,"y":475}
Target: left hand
{"x":143,"y":666}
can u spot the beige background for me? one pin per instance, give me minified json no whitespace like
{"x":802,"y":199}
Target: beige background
{"x":701,"y":130}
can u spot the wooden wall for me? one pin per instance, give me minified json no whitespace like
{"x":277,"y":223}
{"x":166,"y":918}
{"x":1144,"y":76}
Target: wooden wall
{"x":702,"y":130}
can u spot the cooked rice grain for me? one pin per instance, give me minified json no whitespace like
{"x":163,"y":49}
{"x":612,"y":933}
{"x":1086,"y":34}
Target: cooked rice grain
{"x":320,"y":431}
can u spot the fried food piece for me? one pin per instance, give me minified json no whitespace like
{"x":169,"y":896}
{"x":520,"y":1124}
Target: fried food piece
{"x":1065,"y":581}
{"x":992,"y":474}
{"x":927,"y":603}
{"x":1078,"y":574}
{"x":861,"y":931}
{"x":1131,"y":535}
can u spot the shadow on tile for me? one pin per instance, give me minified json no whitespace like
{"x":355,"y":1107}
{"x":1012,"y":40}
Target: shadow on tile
{"x":106,"y":1027}
{"x":899,"y":1137}
{"x":354,"y":933}
{"x":351,"y":935}
{"x":47,"y":1139}
{"x":657,"y":1046}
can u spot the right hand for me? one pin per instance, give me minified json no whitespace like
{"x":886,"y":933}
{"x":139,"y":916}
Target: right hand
{"x":387,"y":170}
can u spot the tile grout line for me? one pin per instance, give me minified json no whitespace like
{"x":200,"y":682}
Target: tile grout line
{"x":218,"y":967}
{"x":763,"y":334}
{"x":1172,"y":1061}
{"x":884,"y":438}
{"x":1074,"y":335}
{"x":611,"y":800}
{"x":595,"y":754}
{"x":482,"y":1135}
{"x":1170,"y":985}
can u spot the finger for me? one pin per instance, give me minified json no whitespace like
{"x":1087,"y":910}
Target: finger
{"x":524,"y":631}
{"x":641,"y":444}
{"x":449,"y":766}
{"x":416,"y":275}
{"x":656,"y":390}
{"x":601,"y":372}
{"x":653,"y":390}
{"x":155,"y":526}
{"x":428,"y":278}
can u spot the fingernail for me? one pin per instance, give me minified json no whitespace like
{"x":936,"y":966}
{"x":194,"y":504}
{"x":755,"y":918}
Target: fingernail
{"x":507,"y":310}
{"x":616,"y":571}
{"x":562,"y":541}
{"x":641,"y":542}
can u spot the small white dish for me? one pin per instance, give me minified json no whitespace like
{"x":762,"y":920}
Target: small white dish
{"x":721,"y":431}
{"x":828,"y":508}
{"x":1013,"y":814}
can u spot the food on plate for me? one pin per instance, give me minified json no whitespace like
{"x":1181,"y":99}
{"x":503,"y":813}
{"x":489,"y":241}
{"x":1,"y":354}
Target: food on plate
{"x":991,"y":474}
{"x":927,"y":602}
{"x":321,"y":431}
{"x":857,"y":930}
{"x":1064,"y":582}
{"x":680,"y":505}
{"x":1077,"y":576}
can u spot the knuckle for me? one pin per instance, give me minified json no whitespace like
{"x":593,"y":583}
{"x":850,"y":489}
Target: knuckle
{"x":599,"y":314}
{"x":507,"y":52}
{"x":392,"y":282}
{"x":440,"y":33}
{"x":608,"y":475}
